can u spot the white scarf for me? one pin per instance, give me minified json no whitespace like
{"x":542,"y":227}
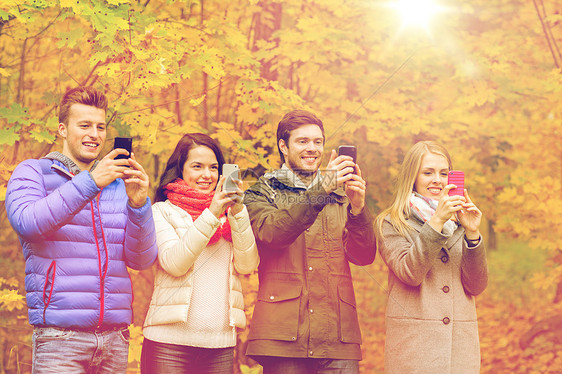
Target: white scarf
{"x":423,"y":209}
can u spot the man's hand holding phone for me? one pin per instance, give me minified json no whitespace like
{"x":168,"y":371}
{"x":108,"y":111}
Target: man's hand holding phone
{"x":342,"y":171}
{"x":110,"y":168}
{"x":136,"y":182}
{"x":338,"y":171}
{"x":123,"y":143}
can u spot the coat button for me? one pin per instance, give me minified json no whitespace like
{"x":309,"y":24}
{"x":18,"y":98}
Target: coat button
{"x":445,"y":289}
{"x":293,"y":338}
{"x":446,"y":320}
{"x":307,"y":230}
{"x":311,"y":310}
{"x":310,"y":268}
{"x":310,"y":353}
{"x":272,"y":298}
{"x":444,"y":259}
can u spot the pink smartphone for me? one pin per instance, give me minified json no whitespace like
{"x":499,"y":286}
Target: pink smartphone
{"x":456,"y":177}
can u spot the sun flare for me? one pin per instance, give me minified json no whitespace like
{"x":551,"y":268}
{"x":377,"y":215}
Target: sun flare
{"x":416,"y":13}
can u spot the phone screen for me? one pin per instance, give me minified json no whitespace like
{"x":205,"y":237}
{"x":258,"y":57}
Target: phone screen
{"x":123,"y":143}
{"x":232,"y":173}
{"x":348,"y":150}
{"x":456,"y":177}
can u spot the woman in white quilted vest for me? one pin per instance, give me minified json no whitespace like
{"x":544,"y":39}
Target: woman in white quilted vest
{"x":204,"y":237}
{"x":432,"y":245}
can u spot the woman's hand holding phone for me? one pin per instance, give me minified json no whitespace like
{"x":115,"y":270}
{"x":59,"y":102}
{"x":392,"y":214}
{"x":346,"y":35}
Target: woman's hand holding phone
{"x":446,"y":207}
{"x":468,"y":215}
{"x":470,"y":218}
{"x":238,"y":197}
{"x":226,"y":199}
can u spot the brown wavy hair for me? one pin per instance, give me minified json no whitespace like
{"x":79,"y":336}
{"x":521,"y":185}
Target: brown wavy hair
{"x":174,"y":166}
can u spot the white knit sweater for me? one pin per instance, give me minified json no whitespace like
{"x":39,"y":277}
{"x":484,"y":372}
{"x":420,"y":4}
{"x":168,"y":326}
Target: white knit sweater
{"x":197,"y":298}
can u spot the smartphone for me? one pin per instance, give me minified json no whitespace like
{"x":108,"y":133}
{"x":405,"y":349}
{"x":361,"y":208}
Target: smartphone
{"x":456,"y":177}
{"x":232,"y":173}
{"x":123,"y":143}
{"x":348,"y":150}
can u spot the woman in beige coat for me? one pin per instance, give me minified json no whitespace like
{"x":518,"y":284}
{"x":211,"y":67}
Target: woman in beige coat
{"x":432,"y":246}
{"x":203,"y":235}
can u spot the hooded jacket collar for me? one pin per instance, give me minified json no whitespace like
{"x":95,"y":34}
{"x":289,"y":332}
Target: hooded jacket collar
{"x":289,"y":178}
{"x":67,"y":162}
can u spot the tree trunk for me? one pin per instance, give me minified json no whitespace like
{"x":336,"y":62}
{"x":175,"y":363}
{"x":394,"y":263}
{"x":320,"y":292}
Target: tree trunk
{"x":551,"y":325}
{"x":558,"y":295}
{"x":262,"y":31}
{"x":20,"y":94}
{"x":217,"y":113}
{"x":177,"y":103}
{"x":205,"y":102}
{"x":491,"y":240}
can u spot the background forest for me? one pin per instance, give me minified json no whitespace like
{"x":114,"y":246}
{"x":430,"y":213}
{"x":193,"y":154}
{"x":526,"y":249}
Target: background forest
{"x":483,"y":77}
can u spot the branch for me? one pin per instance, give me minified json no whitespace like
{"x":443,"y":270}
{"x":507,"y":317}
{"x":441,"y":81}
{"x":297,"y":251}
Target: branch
{"x":217,"y":113}
{"x":91,"y":73}
{"x":546,"y":34}
{"x":19,"y":95}
{"x":2,"y":22}
{"x":551,"y":324}
{"x":113,"y":115}
{"x":528,"y":95}
{"x":48,"y":25}
{"x":173,"y":101}
{"x":552,"y":38}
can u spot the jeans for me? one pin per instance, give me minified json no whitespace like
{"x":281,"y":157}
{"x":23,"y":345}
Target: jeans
{"x":57,"y":350}
{"x":290,"y":365}
{"x":179,"y":359}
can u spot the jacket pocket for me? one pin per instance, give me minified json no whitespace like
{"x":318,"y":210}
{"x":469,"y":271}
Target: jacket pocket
{"x":349,"y":331}
{"x":48,"y":288}
{"x":276,"y":314}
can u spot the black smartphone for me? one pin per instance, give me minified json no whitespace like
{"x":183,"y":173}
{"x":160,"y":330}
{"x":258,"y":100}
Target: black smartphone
{"x":123,"y":143}
{"x":348,"y":150}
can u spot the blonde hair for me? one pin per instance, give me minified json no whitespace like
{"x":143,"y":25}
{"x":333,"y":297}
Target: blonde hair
{"x":399,"y":210}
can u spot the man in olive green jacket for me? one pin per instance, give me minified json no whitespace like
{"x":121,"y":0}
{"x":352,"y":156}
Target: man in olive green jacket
{"x":308,"y":228}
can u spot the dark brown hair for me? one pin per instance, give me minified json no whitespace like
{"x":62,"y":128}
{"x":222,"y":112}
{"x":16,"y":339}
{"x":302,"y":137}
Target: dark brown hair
{"x":293,"y":120}
{"x":81,"y":95}
{"x":174,"y":167}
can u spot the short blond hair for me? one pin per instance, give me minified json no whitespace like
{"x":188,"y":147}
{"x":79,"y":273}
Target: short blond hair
{"x":81,"y":95}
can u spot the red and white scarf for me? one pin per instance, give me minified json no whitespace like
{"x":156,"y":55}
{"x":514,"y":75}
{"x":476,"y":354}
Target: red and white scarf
{"x":423,"y":209}
{"x":195,"y":202}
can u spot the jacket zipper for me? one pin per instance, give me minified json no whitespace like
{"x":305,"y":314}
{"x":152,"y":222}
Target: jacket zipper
{"x":52,"y":269}
{"x":102,"y":269}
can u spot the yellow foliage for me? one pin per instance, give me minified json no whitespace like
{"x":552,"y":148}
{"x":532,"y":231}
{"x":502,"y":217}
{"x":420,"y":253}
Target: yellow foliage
{"x":197,"y":102}
{"x":135,"y":343}
{"x":544,"y":281}
{"x":11,"y":299}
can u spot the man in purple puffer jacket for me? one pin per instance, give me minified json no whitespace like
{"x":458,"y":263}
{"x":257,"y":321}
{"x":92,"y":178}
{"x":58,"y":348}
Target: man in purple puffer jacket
{"x":81,"y":223}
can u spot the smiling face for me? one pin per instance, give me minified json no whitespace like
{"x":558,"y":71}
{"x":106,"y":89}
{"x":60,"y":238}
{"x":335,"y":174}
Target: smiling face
{"x":303,"y":152}
{"x":201,"y":169}
{"x":432,"y":176}
{"x":84,"y":134}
